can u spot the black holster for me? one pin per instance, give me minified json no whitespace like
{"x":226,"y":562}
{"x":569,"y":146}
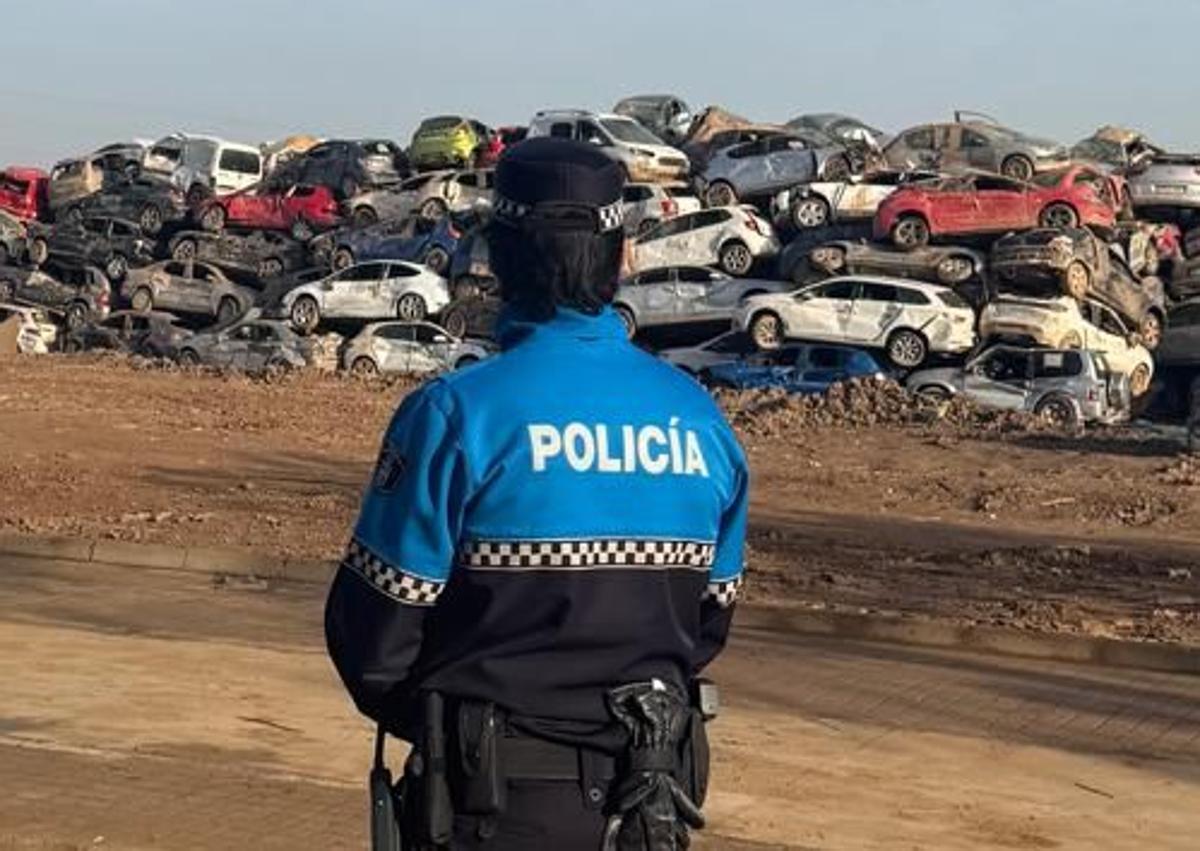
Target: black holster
{"x":662,"y":778}
{"x":427,"y":819}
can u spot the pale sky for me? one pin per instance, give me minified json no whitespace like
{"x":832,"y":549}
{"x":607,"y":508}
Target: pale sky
{"x":82,"y":73}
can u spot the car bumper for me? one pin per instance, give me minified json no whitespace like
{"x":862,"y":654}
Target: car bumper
{"x":1165,"y":195}
{"x":657,"y":172}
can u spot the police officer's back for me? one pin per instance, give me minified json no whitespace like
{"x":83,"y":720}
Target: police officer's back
{"x":550,"y":547}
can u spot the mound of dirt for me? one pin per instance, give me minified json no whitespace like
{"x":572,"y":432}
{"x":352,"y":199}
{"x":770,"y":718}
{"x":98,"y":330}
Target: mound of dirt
{"x":863,"y":403}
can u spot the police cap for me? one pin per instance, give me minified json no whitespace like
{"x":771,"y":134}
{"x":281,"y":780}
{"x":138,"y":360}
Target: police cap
{"x":558,"y":184}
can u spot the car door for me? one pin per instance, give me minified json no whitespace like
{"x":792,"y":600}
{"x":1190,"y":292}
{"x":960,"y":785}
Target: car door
{"x":71,"y":243}
{"x":821,"y":312}
{"x":431,"y":350}
{"x":789,"y":161}
{"x":651,"y":294}
{"x":664,"y":245}
{"x":1002,"y":204}
{"x":360,"y":292}
{"x":702,"y":294}
{"x":262,"y":344}
{"x":955,"y":206}
{"x":745,"y":166}
{"x":172,"y":287}
{"x":976,"y":150}
{"x":393,"y":345}
{"x":1000,"y":378}
{"x":949,"y":146}
{"x":875,"y":310}
{"x":232,"y":348}
{"x":917,"y":148}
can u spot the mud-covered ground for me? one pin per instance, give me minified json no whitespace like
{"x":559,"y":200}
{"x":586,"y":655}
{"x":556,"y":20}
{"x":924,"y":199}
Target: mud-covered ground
{"x":861,"y":503}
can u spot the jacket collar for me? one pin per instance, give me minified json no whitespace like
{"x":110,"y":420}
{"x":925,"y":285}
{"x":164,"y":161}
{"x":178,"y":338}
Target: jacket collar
{"x":513,"y":328}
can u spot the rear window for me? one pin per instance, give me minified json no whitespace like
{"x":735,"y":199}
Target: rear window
{"x":680,"y":192}
{"x":11,"y":184}
{"x":1057,"y":364}
{"x":953,"y":299}
{"x":171,"y":153}
{"x":439,"y":124}
{"x":243,"y":162}
{"x":377,"y":147}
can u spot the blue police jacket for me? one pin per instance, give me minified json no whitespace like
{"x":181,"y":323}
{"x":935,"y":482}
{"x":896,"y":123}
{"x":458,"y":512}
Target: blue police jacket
{"x":540,"y":527}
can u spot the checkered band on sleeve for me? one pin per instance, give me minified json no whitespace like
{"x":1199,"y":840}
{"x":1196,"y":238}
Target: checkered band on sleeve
{"x":725,"y":594}
{"x":396,"y":584}
{"x":611,"y":217}
{"x":587,"y":554}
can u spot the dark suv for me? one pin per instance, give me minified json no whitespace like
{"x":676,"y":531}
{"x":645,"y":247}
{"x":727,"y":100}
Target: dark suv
{"x":150,"y":202}
{"x":347,"y":166}
{"x":80,"y":293}
{"x":112,"y":244}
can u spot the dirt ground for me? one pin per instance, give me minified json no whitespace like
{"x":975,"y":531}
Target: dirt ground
{"x":983,"y":520}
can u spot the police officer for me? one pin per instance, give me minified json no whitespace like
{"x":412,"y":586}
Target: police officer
{"x":548,"y":553}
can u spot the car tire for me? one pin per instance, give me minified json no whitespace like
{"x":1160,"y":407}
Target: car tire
{"x":828,"y":258}
{"x":1056,"y":411}
{"x":1018,"y":167}
{"x":228,"y":310}
{"x":955,"y":269}
{"x":77,"y":315}
{"x":736,"y":259}
{"x":1077,"y":280}
{"x":116,"y":268}
{"x":305,"y":314}
{"x":364,"y":367}
{"x":213,"y":219}
{"x":1139,"y":380}
{"x":436,"y":260}
{"x":342,"y":258}
{"x":910,"y":232}
{"x":142,"y":300}
{"x":628,"y":320}
{"x":933,"y":394}
{"x":184,"y":250}
{"x":810,"y":212}
{"x":271,"y":267}
{"x":720,"y":194}
{"x":150,"y":220}
{"x":906,"y":349}
{"x":465,"y":361}
{"x":364,"y":217}
{"x":766,"y":331}
{"x":39,"y":252}
{"x":411,"y":307}
{"x":301,"y":230}
{"x":454,"y":321}
{"x":434,"y":210}
{"x":837,"y":169}
{"x":189,"y":357}
{"x":1150,"y":330}
{"x":1059,"y":215}
{"x":276,"y":369}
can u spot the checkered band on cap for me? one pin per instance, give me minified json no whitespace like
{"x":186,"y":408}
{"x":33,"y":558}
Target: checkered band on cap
{"x":587,"y":554}
{"x":396,"y":584}
{"x":608,"y":218}
{"x":725,"y":593}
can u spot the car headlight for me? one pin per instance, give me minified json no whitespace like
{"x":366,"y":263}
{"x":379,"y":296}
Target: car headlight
{"x":644,"y":154}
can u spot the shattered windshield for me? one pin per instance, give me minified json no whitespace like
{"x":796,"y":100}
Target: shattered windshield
{"x":625,"y":130}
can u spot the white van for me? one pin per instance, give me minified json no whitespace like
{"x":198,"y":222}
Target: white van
{"x":645,"y":157}
{"x":204,"y":165}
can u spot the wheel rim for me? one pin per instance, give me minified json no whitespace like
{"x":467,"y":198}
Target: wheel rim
{"x":910,"y":233}
{"x":810,"y":213}
{"x":935,"y":395}
{"x":1056,"y":412}
{"x":720,"y":196}
{"x":38,"y":252}
{"x":906,"y":350}
{"x":151,"y":220}
{"x":738,"y":259}
{"x":1139,"y":381}
{"x":301,"y":231}
{"x":1058,"y":216}
{"x":141,"y":300}
{"x":436,"y":260}
{"x":410,"y":306}
{"x":1077,"y":281}
{"x":270,"y":268}
{"x":363,"y":366}
{"x":342,"y":259}
{"x":185,"y":250}
{"x":432,"y":210}
{"x":304,"y":313}
{"x":1151,"y":331}
{"x":1018,"y":168}
{"x":214,"y":219}
{"x":76,"y":316}
{"x":829,"y":259}
{"x":954,"y":270}
{"x":117,"y":268}
{"x":767,"y":332}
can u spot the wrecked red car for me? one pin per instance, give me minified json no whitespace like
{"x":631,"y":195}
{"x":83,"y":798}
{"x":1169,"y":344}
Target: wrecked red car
{"x":24,"y":193}
{"x":987,"y":203}
{"x":300,"y":209}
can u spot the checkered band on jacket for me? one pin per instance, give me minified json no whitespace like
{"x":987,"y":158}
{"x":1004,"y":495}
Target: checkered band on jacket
{"x":587,"y":554}
{"x":400,"y":586}
{"x":725,"y":594}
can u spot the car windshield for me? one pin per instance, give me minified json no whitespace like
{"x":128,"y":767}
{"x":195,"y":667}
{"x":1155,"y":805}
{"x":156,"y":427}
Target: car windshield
{"x":439,"y":124}
{"x":1102,"y":150}
{"x":170,"y":153}
{"x":625,"y":130}
{"x":953,"y":299}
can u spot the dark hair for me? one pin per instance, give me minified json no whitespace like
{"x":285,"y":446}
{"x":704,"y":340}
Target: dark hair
{"x":542,"y":270}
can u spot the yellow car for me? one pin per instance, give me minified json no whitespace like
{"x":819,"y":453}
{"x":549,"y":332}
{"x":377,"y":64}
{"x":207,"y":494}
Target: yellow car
{"x":447,"y":141}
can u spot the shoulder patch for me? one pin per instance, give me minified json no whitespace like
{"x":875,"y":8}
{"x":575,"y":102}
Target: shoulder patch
{"x":389,"y":468}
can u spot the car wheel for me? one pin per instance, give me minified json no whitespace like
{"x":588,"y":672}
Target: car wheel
{"x":1151,"y":331}
{"x":720,"y":194}
{"x":1056,"y":411}
{"x":434,"y":210}
{"x":645,"y":226}
{"x":837,"y":169}
{"x":343,"y":258}
{"x":465,"y":361}
{"x":142,"y":301}
{"x":828,"y":258}
{"x":454,"y":321}
{"x":364,"y":217}
{"x":436,"y":260}
{"x":185,"y":249}
{"x":910,"y":232}
{"x":627,"y":319}
{"x":766,"y":331}
{"x":1072,"y":340}
{"x":810,"y":212}
{"x":1077,"y":280}
{"x":736,"y":258}
{"x":301,"y":231}
{"x":213,"y":219}
{"x":77,"y":314}
{"x":906,"y":349}
{"x":364,"y":367}
{"x":1059,"y":215}
{"x":39,"y":251}
{"x":228,"y":310}
{"x":955,"y":270}
{"x":272,"y":267}
{"x":150,"y":220}
{"x":189,"y":357}
{"x":1018,"y":167}
{"x":277,"y":368}
{"x":1139,"y":380}
{"x":411,"y":307}
{"x":117,"y":268}
{"x":933,"y":394}
{"x":305,"y":314}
